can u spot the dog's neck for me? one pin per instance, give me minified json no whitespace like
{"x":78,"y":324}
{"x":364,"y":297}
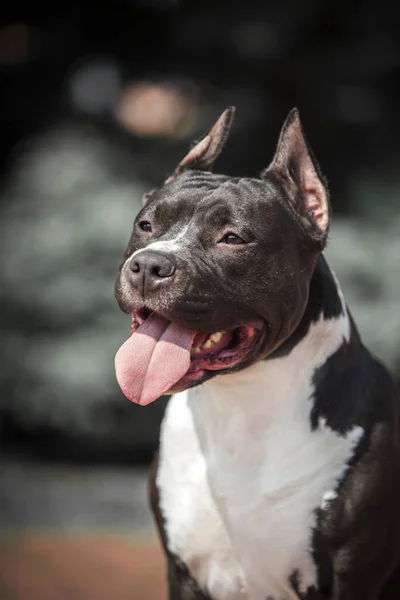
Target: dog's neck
{"x":275,"y":389}
{"x":325,"y":300}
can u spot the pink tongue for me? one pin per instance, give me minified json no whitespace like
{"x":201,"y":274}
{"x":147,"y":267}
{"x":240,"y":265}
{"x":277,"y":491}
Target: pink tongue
{"x":153,"y":359}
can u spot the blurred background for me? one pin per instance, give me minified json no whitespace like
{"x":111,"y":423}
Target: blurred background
{"x":98,"y":102}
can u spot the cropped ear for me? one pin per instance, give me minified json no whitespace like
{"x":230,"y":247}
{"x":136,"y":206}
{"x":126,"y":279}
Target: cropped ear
{"x":203,"y":155}
{"x":296,"y":166}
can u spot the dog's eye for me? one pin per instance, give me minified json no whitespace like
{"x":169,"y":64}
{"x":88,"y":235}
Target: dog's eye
{"x":232,"y":239}
{"x":145,"y":225}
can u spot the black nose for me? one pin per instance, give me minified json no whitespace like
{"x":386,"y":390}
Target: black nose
{"x":150,"y":267}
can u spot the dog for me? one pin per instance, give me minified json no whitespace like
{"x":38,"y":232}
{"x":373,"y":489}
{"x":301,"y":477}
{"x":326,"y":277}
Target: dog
{"x":278,"y":473}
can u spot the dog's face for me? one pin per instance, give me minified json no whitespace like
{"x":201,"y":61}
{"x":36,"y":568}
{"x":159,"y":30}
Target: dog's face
{"x":224,"y":261}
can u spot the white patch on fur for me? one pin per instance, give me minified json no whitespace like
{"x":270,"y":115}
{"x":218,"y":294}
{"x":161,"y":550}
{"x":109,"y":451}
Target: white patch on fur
{"x":241,"y":472}
{"x":194,"y":528}
{"x":327,"y":498}
{"x":164,"y":245}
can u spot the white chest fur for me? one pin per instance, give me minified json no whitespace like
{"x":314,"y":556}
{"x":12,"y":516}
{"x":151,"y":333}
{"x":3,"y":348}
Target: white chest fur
{"x":241,"y":473}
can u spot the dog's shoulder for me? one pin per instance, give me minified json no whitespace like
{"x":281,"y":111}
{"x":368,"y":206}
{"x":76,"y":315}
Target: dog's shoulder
{"x":361,"y":520}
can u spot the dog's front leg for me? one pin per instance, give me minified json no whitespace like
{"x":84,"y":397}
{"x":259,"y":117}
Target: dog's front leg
{"x":181,"y":586}
{"x":366,"y":580}
{"x":354,"y":588}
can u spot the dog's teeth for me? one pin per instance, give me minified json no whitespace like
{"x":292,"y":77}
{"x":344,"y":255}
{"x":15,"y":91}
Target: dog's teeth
{"x":216,"y":337}
{"x":213,"y":339}
{"x":208,"y":344}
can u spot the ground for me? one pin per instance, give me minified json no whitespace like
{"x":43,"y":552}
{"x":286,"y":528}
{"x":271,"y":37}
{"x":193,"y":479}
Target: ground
{"x":73,"y":532}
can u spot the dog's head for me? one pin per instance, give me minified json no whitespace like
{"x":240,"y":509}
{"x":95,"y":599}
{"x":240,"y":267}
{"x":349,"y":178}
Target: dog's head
{"x":217,"y":270}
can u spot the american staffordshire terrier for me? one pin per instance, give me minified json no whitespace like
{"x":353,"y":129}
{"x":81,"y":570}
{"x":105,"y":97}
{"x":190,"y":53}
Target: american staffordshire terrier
{"x":278,"y":475}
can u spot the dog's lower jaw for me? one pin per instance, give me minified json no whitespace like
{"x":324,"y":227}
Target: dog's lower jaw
{"x":178,"y":388}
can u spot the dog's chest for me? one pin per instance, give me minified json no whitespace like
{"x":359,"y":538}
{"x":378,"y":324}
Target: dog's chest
{"x":241,"y":513}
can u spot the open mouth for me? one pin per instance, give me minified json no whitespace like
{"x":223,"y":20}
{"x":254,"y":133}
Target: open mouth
{"x":162,"y":356}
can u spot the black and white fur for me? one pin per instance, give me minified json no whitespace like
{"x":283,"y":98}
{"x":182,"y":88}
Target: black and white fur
{"x":279,"y":479}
